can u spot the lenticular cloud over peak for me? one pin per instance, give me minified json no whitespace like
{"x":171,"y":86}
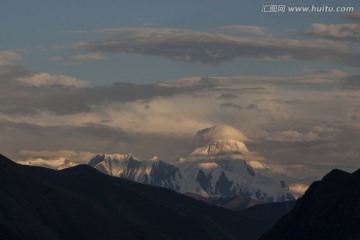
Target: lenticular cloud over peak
{"x":221,"y":132}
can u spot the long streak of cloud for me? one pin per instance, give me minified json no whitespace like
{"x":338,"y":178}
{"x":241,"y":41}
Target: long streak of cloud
{"x":348,"y":32}
{"x":213,"y":48}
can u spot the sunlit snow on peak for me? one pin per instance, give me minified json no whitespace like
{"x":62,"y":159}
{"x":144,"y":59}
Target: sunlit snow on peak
{"x":155,"y":158}
{"x":58,"y":164}
{"x":220,"y":147}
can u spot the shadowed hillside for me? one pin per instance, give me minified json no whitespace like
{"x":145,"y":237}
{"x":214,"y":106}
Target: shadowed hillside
{"x":82,"y":203}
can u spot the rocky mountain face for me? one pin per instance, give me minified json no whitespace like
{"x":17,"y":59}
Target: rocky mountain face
{"x":82,"y":203}
{"x":330,"y":209}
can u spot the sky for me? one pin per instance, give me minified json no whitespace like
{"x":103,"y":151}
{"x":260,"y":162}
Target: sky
{"x":85,"y":77}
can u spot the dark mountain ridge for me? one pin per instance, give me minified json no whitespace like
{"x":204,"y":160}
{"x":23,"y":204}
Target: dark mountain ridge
{"x":82,"y":203}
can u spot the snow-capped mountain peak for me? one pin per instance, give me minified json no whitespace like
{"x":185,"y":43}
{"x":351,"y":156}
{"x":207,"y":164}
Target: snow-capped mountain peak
{"x":111,"y":157}
{"x":154,"y":158}
{"x":224,"y":167}
{"x":223,"y":142}
{"x":120,"y":157}
{"x":221,"y":147}
{"x":153,"y":171}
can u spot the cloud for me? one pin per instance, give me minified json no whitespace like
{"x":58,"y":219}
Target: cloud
{"x":165,"y":105}
{"x":23,"y":91}
{"x":162,"y":118}
{"x":252,"y":106}
{"x":227,"y":96}
{"x":221,"y":132}
{"x":293,"y":136}
{"x":20,"y":98}
{"x":189,"y":82}
{"x":250,"y":29}
{"x":87,"y":57}
{"x":353,"y":16}
{"x":45,"y":79}
{"x":351,"y":81}
{"x":26,"y":93}
{"x":9,"y":57}
{"x":165,"y":116}
{"x":22,"y":139}
{"x":81,"y":141}
{"x":320,"y":77}
{"x":348,"y":32}
{"x":351,"y":154}
{"x":81,"y":58}
{"x":231,"y":105}
{"x":215,"y":48}
{"x":325,"y":129}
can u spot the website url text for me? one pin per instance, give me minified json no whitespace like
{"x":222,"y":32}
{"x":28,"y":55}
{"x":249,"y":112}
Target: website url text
{"x":307,"y":9}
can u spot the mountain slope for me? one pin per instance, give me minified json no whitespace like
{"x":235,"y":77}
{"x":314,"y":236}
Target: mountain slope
{"x":154,"y":171}
{"x":7,"y":234}
{"x":269,"y":212}
{"x":235,"y":203}
{"x":37,"y":209}
{"x":82,"y":203}
{"x":330,"y":209}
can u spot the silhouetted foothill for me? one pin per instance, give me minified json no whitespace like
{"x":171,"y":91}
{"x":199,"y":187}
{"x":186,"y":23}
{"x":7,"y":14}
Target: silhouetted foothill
{"x":330,"y":209}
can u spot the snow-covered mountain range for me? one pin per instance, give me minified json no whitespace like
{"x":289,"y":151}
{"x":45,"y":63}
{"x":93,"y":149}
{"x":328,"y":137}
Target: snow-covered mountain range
{"x":218,"y":169}
{"x":223,"y":167}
